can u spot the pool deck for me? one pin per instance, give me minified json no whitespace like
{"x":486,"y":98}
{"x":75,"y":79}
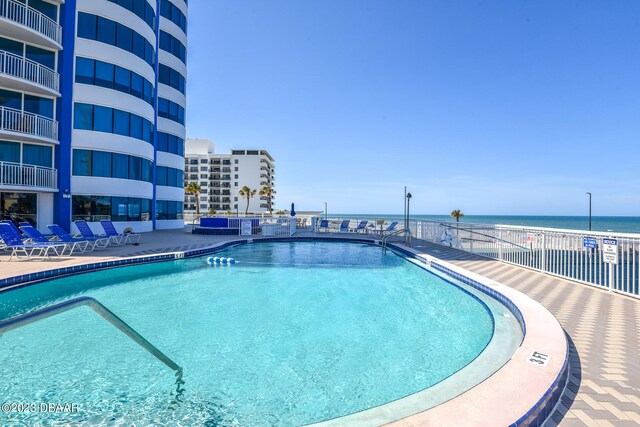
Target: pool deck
{"x":603,"y":327}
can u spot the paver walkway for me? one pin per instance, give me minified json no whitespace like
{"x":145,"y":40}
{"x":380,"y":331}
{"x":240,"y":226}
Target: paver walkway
{"x":604,"y":338}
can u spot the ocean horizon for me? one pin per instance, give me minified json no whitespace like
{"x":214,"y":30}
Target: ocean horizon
{"x":620,"y":224}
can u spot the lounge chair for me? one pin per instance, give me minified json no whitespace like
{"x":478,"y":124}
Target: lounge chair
{"x":37,"y":237}
{"x":361,"y":227}
{"x":324,"y":225}
{"x":344,"y":226}
{"x":390,"y":229}
{"x":85,"y":232}
{"x":123,"y":238}
{"x":15,"y":243}
{"x":63,"y":236}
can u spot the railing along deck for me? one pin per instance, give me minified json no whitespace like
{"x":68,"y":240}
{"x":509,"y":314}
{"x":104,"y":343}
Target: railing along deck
{"x":23,"y":68}
{"x":28,"y":175}
{"x":18,"y":12}
{"x":13,"y":120}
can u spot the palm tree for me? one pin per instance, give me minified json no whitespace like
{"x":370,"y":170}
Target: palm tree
{"x":457,"y":214}
{"x":268,"y":191}
{"x":194,"y":188}
{"x":248,"y":193}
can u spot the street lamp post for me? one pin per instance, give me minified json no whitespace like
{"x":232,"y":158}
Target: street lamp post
{"x":325,"y":210}
{"x":407,"y":219}
{"x":589,"y":210}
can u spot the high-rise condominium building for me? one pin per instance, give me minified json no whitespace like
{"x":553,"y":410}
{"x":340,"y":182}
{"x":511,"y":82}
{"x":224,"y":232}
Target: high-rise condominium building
{"x":92,"y":111}
{"x":221,"y":176}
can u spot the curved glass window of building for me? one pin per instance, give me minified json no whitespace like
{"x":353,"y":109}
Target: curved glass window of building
{"x":172,"y":45}
{"x":141,"y":8}
{"x":104,"y":30}
{"x":171,"y":77}
{"x":101,"y":119}
{"x":169,"y":177}
{"x":96,"y":208}
{"x":170,"y":143}
{"x":99,"y":73}
{"x":111,"y":165}
{"x":170,"y":110}
{"x":173,"y":14}
{"x":168,"y":209}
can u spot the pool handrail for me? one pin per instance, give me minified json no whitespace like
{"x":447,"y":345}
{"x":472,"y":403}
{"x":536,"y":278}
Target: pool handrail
{"x":46,"y":312}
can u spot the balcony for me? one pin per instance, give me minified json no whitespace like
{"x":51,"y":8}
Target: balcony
{"x":29,"y":25}
{"x":27,"y":126}
{"x":19,"y":175}
{"x":25,"y":75}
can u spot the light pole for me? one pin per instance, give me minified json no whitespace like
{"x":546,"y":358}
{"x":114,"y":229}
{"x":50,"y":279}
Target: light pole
{"x":589,"y":210}
{"x":407,"y":219}
{"x":325,"y":210}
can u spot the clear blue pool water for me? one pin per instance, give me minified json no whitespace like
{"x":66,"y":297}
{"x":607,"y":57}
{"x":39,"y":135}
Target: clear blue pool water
{"x":294,"y":333}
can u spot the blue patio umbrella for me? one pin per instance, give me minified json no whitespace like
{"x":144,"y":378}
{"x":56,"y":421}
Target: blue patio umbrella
{"x":293,"y":211}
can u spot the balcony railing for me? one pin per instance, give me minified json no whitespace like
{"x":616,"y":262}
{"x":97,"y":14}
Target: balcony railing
{"x":28,"y":175}
{"x":31,"y":18}
{"x":17,"y":66}
{"x":28,"y":123}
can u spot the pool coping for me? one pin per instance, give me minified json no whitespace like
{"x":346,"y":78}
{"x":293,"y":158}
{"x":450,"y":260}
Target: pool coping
{"x":518,"y":394}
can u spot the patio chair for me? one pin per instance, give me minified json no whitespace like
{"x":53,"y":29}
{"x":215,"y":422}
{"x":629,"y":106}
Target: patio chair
{"x":324,"y":225}
{"x":390,"y":229}
{"x":344,"y":227}
{"x":361,"y":227}
{"x":61,"y":235}
{"x":125,"y":238}
{"x":16,"y":245}
{"x":37,"y":237}
{"x":85,"y":231}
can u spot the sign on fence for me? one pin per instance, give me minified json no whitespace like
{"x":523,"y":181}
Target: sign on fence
{"x":610,"y":251}
{"x":590,"y":242}
{"x":531,"y":237}
{"x":245,"y":227}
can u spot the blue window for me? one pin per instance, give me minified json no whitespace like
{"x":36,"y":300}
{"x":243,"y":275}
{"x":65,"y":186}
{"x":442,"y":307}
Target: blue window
{"x":38,"y":155}
{"x":83,"y":116}
{"x":171,"y":77}
{"x":87,"y":26}
{"x":9,"y":152}
{"x":147,"y":131}
{"x":82,"y":162}
{"x":170,"y":110}
{"x":47,"y":9}
{"x":119,"y":209}
{"x":138,"y":45}
{"x":133,"y":209}
{"x":103,"y":119}
{"x":121,"y":122}
{"x":136,"y":85}
{"x":10,"y":99}
{"x":85,"y":71}
{"x":146,"y":170}
{"x":172,"y":45}
{"x":147,"y":89}
{"x":124,"y":38}
{"x":136,"y":126}
{"x":161,"y":178}
{"x":101,"y":163}
{"x":120,"y":168}
{"x":106,"y":31}
{"x":135,"y":168}
{"x":104,"y":74}
{"x":170,"y":143}
{"x":37,"y":105}
{"x":123,"y":80}
{"x":41,"y":56}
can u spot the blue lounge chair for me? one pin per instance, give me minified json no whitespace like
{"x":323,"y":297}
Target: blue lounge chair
{"x":390,"y":229}
{"x":17,"y":246}
{"x":65,"y":237}
{"x":360,"y":227}
{"x":85,"y":231}
{"x":37,"y":237}
{"x":344,"y":227}
{"x":123,"y":238}
{"x":324,"y":225}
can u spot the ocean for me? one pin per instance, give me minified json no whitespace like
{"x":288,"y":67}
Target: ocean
{"x":620,"y":224}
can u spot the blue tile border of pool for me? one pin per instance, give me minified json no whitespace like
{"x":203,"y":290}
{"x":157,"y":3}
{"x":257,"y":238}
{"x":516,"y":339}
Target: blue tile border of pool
{"x":534,"y":417}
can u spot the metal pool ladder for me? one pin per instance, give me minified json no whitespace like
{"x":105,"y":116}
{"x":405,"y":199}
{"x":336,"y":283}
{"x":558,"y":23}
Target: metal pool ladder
{"x":385,"y":239}
{"x":31,"y":317}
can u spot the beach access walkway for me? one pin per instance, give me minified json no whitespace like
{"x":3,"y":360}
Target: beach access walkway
{"x":603,"y":328}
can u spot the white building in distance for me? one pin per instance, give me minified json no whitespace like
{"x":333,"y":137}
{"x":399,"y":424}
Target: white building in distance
{"x":221,"y":176}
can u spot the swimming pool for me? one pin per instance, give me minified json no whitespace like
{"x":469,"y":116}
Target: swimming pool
{"x":294,"y":333}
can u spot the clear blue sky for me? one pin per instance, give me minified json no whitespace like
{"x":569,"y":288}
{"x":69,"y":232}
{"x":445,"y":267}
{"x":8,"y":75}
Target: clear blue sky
{"x":491,"y":107}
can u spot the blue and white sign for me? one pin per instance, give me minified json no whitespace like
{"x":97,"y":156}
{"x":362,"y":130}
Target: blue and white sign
{"x":590,"y":242}
{"x":610,"y":251}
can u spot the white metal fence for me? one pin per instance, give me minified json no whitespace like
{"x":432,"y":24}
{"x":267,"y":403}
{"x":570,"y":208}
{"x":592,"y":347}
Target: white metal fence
{"x":20,"y":121}
{"x":577,"y":255}
{"x":28,"y":175}
{"x":31,"y":18}
{"x":256,"y":226}
{"x":17,"y":66}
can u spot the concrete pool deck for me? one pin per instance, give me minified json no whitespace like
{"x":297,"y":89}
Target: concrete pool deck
{"x":604,"y":329}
